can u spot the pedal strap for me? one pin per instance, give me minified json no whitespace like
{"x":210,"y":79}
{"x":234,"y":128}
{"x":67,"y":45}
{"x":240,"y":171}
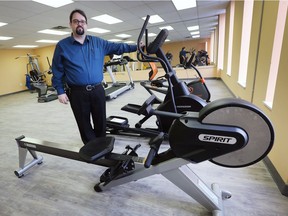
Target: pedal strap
{"x":97,"y":148}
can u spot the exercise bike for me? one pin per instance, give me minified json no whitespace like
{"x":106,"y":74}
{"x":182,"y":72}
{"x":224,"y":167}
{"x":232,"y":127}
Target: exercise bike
{"x":220,"y":133}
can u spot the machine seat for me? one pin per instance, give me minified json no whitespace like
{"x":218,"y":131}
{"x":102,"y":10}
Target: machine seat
{"x":97,"y":148}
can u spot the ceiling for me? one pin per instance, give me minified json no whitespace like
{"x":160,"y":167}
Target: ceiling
{"x":26,"y":18}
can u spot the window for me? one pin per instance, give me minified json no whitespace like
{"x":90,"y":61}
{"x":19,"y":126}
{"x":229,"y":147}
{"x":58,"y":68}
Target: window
{"x":221,"y":43}
{"x":230,"y":40}
{"x":245,"y":42}
{"x":276,"y":52}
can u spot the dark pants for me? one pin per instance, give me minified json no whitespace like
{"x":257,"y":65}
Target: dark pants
{"x":87,"y":106}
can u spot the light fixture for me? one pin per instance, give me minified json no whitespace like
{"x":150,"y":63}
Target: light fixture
{"x":193,"y":28}
{"x":53,"y":32}
{"x":195,"y":36}
{"x":169,"y":28}
{"x":154,"y":19}
{"x":2,"y":24}
{"x":47,"y":41}
{"x":25,"y":46}
{"x":5,"y":38}
{"x":105,"y":18}
{"x":151,"y":34}
{"x":195,"y":33}
{"x":98,"y":30}
{"x":114,"y":40}
{"x":130,"y":42}
{"x":54,"y":3}
{"x":123,"y":35}
{"x":184,"y":4}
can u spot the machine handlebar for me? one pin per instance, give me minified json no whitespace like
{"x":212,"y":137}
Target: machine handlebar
{"x":154,"y":148}
{"x":158,"y":42}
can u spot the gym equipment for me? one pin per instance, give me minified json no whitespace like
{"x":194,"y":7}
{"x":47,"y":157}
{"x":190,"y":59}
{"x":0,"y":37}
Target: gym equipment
{"x":117,"y":88}
{"x":221,"y":132}
{"x":201,"y":59}
{"x":178,"y":99}
{"x":35,"y":80}
{"x":196,"y":87}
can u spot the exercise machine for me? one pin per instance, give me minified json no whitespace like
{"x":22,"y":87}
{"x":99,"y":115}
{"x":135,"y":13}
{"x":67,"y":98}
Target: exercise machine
{"x":46,"y":93}
{"x":197,"y":86}
{"x":220,"y":133}
{"x":117,"y":88}
{"x":178,"y":98}
{"x":201,"y":59}
{"x":35,"y":79}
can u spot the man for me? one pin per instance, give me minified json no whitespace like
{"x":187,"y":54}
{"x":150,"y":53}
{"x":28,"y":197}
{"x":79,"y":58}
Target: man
{"x":182,"y":56}
{"x":78,"y":62}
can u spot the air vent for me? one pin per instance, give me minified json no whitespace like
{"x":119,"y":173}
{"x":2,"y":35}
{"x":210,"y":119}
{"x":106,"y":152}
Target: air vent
{"x":59,"y":28}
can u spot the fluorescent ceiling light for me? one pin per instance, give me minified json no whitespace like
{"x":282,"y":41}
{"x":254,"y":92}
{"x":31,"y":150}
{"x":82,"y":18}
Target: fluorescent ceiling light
{"x":98,"y":30}
{"x":25,"y":46}
{"x":114,"y":40}
{"x":151,"y":34}
{"x":195,"y":36}
{"x":53,"y":32}
{"x":184,"y":4}
{"x":123,"y":35}
{"x":193,"y":28}
{"x":2,"y":24}
{"x":195,"y":33}
{"x":54,"y":3}
{"x":5,"y":38}
{"x":47,"y":41}
{"x":130,"y":42}
{"x":167,"y":40}
{"x":105,"y":18}
{"x":169,"y":28}
{"x":154,"y":19}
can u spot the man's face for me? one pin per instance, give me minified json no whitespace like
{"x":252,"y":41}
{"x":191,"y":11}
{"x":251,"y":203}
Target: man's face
{"x":78,"y":24}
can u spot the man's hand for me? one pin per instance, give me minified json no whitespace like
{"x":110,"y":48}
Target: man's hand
{"x":63,"y":98}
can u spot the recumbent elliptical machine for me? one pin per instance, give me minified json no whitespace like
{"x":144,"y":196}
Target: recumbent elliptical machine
{"x":228,"y":132}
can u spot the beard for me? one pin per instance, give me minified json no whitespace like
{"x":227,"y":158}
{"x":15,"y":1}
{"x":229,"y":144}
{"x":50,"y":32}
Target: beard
{"x":79,"y":30}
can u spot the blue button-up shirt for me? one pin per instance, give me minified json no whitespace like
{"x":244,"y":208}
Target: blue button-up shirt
{"x":82,"y":64}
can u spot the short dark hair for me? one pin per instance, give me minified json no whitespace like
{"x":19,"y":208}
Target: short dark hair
{"x":77,"y":11}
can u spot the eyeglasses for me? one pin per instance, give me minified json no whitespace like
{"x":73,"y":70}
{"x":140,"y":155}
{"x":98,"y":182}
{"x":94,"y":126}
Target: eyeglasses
{"x":82,"y":22}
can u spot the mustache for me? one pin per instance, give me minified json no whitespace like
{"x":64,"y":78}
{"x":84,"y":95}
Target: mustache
{"x":80,"y":30}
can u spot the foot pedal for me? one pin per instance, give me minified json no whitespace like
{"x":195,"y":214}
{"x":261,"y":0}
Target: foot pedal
{"x":117,"y":121}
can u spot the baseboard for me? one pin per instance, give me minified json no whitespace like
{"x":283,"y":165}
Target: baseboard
{"x":14,"y":93}
{"x":276,"y":177}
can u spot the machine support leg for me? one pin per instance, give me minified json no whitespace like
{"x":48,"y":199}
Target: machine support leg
{"x":24,"y":167}
{"x":191,"y":184}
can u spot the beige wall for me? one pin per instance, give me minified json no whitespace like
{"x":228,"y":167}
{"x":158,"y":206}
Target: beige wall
{"x":12,"y":71}
{"x":260,"y":54}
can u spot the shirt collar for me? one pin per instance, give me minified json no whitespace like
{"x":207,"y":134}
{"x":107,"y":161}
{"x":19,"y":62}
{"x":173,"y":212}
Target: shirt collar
{"x":72,"y":39}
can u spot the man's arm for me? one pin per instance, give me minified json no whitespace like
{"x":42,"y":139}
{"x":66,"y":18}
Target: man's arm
{"x":58,"y":71}
{"x":58,"y":75}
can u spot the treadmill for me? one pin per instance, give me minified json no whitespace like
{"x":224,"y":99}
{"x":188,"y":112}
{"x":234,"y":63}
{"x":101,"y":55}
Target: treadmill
{"x":117,"y":88}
